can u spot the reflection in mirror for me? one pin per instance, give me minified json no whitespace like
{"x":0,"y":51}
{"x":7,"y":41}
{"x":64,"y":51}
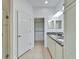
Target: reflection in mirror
{"x":58,"y":24}
{"x":51,"y":25}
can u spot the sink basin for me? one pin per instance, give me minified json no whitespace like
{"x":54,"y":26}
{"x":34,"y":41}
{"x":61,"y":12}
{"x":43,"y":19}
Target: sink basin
{"x":60,"y":37}
{"x":61,"y":40}
{"x":56,"y":37}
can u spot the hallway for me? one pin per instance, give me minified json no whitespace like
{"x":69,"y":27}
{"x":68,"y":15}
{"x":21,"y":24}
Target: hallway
{"x":38,"y":52}
{"x":51,"y":21}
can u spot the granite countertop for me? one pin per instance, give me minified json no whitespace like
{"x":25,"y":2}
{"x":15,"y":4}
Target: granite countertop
{"x":55,"y":33}
{"x":58,"y":38}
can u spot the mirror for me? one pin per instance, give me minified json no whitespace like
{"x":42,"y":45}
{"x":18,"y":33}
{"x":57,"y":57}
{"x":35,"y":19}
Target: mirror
{"x":51,"y":25}
{"x":58,"y":24}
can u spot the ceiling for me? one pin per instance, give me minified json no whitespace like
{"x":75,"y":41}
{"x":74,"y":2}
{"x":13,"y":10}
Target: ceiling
{"x":41,"y":3}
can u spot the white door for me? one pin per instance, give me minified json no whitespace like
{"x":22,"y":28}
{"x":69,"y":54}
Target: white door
{"x":24,"y":32}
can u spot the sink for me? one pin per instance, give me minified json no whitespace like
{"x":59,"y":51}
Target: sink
{"x":60,"y":37}
{"x":61,"y":40}
{"x":57,"y":37}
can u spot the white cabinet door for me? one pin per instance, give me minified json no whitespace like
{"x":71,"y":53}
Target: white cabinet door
{"x":51,"y":46}
{"x":55,"y":49}
{"x":58,"y":51}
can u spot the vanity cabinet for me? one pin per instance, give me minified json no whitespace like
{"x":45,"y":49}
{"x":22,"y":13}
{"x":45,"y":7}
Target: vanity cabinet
{"x":59,"y":51}
{"x":54,"y":48}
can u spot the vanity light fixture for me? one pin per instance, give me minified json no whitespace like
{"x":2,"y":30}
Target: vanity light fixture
{"x":50,"y":21}
{"x":58,"y":14}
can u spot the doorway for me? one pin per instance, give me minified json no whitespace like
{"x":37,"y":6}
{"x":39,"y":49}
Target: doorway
{"x":39,"y":30}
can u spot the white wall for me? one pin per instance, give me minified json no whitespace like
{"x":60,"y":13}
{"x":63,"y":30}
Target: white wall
{"x":45,"y":13}
{"x":20,"y":5}
{"x":59,"y":5}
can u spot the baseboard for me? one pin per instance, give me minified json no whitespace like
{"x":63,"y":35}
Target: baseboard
{"x":23,"y":53}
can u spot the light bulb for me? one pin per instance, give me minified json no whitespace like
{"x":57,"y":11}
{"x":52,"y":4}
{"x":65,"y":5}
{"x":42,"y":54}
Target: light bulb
{"x":46,"y":2}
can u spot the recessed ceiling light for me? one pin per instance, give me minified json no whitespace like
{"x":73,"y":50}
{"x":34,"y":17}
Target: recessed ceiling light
{"x":46,"y":2}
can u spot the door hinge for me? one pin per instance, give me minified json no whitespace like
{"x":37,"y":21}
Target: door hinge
{"x":7,"y":17}
{"x":7,"y":55}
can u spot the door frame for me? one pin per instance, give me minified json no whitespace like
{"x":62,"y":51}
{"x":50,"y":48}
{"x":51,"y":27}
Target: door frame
{"x":43,"y":28}
{"x":9,"y":16}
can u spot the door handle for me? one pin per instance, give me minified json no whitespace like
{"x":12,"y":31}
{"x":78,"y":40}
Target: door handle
{"x":19,"y":35}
